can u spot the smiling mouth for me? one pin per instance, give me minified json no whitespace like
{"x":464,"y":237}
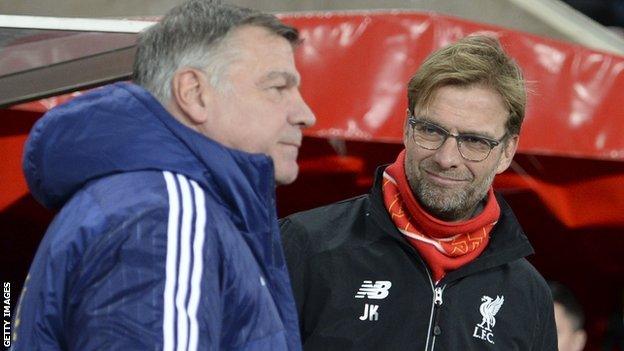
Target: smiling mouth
{"x":443,"y":180}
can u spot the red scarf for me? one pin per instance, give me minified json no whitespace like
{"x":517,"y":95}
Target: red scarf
{"x":445,"y":246}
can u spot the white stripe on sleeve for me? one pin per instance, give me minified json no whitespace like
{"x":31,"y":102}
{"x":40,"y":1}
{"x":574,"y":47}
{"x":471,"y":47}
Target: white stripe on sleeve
{"x":170,"y":270}
{"x":198,"y":261}
{"x":184,"y":263}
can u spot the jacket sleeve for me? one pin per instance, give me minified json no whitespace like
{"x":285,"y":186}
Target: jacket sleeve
{"x":296,"y":245}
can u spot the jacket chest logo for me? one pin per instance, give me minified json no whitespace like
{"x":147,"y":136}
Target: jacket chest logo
{"x":488,"y":309}
{"x":375,"y":291}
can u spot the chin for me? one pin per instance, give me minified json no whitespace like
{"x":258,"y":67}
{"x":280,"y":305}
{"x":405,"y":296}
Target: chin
{"x":286,"y":170}
{"x":285,"y":180}
{"x":285,"y":177}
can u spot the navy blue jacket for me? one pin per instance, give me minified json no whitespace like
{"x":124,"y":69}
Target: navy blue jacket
{"x":165,"y":240}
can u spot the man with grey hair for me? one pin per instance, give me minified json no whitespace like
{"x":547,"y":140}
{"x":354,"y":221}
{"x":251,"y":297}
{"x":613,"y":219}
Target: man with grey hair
{"x":431,"y":258}
{"x":167,"y":236}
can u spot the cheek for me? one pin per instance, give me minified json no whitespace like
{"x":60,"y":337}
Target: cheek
{"x":409,"y":158}
{"x":267,"y":137}
{"x":479,"y":172}
{"x":415,"y":156}
{"x":412,"y":162}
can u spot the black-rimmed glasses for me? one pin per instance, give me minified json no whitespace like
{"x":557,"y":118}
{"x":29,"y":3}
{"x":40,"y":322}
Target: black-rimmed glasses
{"x":471,"y":147}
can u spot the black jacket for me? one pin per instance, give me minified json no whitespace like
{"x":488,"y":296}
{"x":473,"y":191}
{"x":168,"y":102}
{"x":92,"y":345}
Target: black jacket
{"x":359,"y":285}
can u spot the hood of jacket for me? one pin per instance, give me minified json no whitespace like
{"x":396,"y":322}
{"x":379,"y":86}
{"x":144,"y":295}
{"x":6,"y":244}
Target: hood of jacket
{"x":123,"y":128}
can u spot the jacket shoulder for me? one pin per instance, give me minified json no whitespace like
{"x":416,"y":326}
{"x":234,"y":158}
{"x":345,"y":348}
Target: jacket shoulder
{"x":525,"y":274}
{"x":119,"y":192}
{"x":327,"y":226}
{"x":106,"y":203}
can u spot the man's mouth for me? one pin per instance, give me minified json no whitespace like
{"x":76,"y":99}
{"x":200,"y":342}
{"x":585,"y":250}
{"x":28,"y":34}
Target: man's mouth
{"x":445,"y":180}
{"x":292,"y":143}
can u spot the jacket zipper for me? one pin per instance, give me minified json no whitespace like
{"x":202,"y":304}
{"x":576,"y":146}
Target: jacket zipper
{"x":434,"y":330}
{"x":437,"y":302}
{"x":435,"y":305}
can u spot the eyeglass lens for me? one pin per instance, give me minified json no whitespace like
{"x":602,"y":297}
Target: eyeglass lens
{"x":432,"y":137}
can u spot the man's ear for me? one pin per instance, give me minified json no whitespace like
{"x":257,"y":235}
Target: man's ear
{"x":509,"y":150}
{"x":191,"y":93}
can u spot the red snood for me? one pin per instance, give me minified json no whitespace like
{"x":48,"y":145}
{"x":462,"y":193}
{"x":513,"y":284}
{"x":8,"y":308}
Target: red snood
{"x":445,"y":246}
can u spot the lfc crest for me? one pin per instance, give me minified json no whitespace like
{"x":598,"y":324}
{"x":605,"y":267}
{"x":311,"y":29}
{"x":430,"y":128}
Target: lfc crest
{"x":488,"y":309}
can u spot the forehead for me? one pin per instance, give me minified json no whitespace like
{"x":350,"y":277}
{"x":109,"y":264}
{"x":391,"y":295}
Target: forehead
{"x":472,"y":109}
{"x":261,"y":53}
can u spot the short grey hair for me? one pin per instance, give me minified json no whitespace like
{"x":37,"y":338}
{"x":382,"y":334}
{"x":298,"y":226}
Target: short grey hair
{"x":194,"y":34}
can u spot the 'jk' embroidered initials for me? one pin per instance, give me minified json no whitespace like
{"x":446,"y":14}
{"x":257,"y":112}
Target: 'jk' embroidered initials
{"x":370,"y":313}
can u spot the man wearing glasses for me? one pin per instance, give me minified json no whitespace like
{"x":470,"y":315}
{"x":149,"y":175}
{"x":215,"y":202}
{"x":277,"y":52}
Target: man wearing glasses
{"x":431,"y":258}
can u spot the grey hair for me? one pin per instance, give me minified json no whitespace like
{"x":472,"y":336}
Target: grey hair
{"x":195,"y":34}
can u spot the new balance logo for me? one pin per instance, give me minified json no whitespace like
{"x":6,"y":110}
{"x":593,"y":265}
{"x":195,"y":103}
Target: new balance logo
{"x":377,"y":291}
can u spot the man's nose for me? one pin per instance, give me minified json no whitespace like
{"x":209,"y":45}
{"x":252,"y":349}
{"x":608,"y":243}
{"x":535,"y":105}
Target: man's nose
{"x":448,"y":156}
{"x":302,"y":114}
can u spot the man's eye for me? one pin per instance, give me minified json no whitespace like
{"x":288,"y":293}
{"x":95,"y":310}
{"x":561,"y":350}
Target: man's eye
{"x":425,"y":129}
{"x":475,"y":142}
{"x":280,"y":88}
